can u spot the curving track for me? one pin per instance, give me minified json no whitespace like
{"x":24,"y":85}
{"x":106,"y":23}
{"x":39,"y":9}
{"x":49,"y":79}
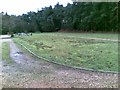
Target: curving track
{"x":28,"y":72}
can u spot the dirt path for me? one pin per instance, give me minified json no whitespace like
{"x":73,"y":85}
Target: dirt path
{"x":102,"y":39}
{"x":29,"y":72}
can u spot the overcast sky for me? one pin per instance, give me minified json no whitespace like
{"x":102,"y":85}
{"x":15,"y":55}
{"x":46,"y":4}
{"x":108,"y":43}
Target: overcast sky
{"x":18,"y":7}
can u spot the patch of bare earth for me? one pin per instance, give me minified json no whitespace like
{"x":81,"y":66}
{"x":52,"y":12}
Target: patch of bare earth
{"x":29,"y":72}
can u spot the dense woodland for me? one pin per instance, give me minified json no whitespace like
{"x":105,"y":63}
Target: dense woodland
{"x":82,"y":16}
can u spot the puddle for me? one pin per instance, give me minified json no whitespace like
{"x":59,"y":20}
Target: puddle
{"x":18,"y":54}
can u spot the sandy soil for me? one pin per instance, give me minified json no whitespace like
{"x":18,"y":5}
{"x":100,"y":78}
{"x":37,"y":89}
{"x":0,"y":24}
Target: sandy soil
{"x":30,"y":72}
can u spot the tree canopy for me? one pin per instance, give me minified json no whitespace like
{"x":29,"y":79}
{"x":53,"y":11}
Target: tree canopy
{"x":79,"y":16}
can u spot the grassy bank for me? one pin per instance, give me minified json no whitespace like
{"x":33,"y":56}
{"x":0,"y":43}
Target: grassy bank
{"x":6,"y":52}
{"x":74,"y":50}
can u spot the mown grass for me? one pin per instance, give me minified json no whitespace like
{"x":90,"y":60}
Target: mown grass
{"x":85,"y":35}
{"x":6,"y":52}
{"x":72,"y":50}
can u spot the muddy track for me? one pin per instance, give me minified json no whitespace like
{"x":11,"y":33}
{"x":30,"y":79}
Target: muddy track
{"x":103,"y":39}
{"x":29,"y":72}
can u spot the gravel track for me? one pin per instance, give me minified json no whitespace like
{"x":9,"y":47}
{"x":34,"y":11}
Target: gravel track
{"x":29,"y":72}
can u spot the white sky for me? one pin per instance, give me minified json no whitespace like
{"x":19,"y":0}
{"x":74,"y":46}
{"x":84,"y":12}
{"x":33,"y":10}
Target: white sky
{"x":18,"y":7}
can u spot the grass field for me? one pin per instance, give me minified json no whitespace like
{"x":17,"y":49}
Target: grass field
{"x":6,"y":52}
{"x":75,"y":49}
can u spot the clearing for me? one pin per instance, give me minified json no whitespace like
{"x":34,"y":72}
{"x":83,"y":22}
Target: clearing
{"x":76,"y":50}
{"x":26,"y":71}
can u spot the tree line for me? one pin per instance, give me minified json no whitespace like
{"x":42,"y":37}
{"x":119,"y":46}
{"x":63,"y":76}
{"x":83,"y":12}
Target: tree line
{"x":79,"y":16}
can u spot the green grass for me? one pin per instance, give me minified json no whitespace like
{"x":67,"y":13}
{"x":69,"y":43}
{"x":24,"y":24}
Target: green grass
{"x":72,"y":50}
{"x":6,"y":52}
{"x":84,"y":35}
